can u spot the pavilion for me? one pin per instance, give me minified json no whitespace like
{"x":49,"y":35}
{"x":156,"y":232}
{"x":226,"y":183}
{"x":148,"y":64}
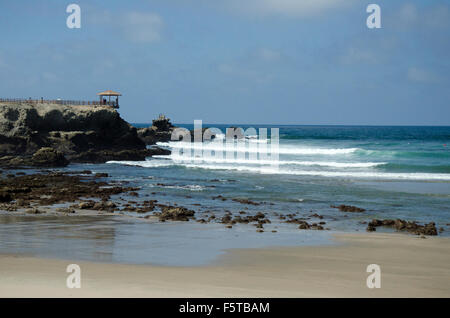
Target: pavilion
{"x":109,"y":93}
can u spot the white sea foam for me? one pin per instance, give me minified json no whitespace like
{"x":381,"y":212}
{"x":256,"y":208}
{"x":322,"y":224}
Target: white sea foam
{"x":182,"y":159}
{"x":268,"y":170}
{"x":343,"y":174}
{"x":146,"y":164}
{"x":255,"y":139}
{"x":191,"y":187}
{"x":237,"y":147}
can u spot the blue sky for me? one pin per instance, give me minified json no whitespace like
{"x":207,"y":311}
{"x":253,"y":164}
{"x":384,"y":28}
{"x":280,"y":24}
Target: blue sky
{"x":232,"y":61}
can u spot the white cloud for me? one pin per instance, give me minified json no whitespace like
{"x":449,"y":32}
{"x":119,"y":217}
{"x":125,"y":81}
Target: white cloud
{"x":421,"y":75}
{"x":358,"y":55}
{"x":139,"y":27}
{"x":260,"y":65}
{"x":285,"y":7}
{"x":142,"y":27}
{"x":269,"y":55}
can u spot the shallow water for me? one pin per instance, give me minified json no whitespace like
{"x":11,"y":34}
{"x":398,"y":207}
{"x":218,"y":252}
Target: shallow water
{"x":118,"y":239}
{"x":392,"y":172}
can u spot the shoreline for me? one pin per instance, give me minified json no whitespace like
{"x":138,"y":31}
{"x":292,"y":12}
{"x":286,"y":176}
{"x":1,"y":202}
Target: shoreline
{"x":410,"y":267}
{"x":83,"y":192}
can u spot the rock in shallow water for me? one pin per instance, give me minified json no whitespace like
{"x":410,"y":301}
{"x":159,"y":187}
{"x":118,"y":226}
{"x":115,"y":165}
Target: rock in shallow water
{"x":348,"y":208}
{"x":175,"y":214}
{"x":402,"y":225}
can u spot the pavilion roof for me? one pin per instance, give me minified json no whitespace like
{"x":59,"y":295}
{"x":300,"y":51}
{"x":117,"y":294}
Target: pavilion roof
{"x":109,"y":93}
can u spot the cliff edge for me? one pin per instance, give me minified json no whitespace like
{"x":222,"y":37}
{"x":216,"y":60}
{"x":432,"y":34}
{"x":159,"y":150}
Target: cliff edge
{"x":80,"y":133}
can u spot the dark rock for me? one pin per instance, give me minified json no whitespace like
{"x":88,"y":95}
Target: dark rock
{"x":48,"y":157}
{"x":304,"y":226}
{"x":86,"y":205}
{"x":175,"y":214}
{"x":226,"y":219}
{"x":104,"y":206}
{"x":219,"y":197}
{"x":245,"y":201}
{"x":22,"y":203}
{"x":160,"y":131}
{"x":56,"y":187}
{"x":102,"y":156}
{"x":65,"y":210}
{"x":80,"y":133}
{"x":34,"y":211}
{"x":348,"y":208}
{"x":5,"y":197}
{"x":402,"y":225}
{"x":260,"y":215}
{"x":8,"y":207}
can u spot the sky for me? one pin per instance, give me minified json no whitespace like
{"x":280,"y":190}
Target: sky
{"x":305,"y":62}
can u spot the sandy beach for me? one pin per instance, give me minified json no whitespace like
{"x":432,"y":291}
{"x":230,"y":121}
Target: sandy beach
{"x":410,"y":267}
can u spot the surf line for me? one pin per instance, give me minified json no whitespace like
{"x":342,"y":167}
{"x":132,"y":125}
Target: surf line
{"x":237,"y":144}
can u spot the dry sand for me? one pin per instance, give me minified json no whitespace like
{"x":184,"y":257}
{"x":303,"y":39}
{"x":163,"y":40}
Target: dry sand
{"x":410,"y":267}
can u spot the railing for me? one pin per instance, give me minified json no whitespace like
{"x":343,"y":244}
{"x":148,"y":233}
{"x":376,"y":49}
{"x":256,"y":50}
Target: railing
{"x":59,"y":102}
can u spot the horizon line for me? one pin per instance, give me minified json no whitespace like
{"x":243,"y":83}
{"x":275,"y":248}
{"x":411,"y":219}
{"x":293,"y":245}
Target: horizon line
{"x":341,"y":125}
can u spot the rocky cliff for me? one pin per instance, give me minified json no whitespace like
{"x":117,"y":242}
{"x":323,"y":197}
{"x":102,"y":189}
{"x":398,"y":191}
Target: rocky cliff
{"x":80,"y":133}
{"x":160,"y":130}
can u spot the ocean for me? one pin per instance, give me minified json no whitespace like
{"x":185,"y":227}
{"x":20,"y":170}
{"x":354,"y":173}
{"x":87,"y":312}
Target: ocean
{"x":392,"y":172}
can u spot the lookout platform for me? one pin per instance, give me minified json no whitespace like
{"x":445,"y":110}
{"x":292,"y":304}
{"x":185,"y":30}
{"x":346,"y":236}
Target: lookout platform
{"x":103,"y":101}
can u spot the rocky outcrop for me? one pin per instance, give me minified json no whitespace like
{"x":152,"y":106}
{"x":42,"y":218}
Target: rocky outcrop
{"x":48,"y":157}
{"x":44,"y":157}
{"x":80,"y":133}
{"x":56,"y":187}
{"x":348,"y":208}
{"x":100,"y":156}
{"x":160,"y":131}
{"x":402,"y":225}
{"x":175,"y":214}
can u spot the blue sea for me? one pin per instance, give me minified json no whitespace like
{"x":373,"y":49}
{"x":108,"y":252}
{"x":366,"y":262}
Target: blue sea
{"x":392,"y":172}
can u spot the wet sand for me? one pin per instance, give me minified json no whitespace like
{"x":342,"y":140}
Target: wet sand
{"x":410,"y":267}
